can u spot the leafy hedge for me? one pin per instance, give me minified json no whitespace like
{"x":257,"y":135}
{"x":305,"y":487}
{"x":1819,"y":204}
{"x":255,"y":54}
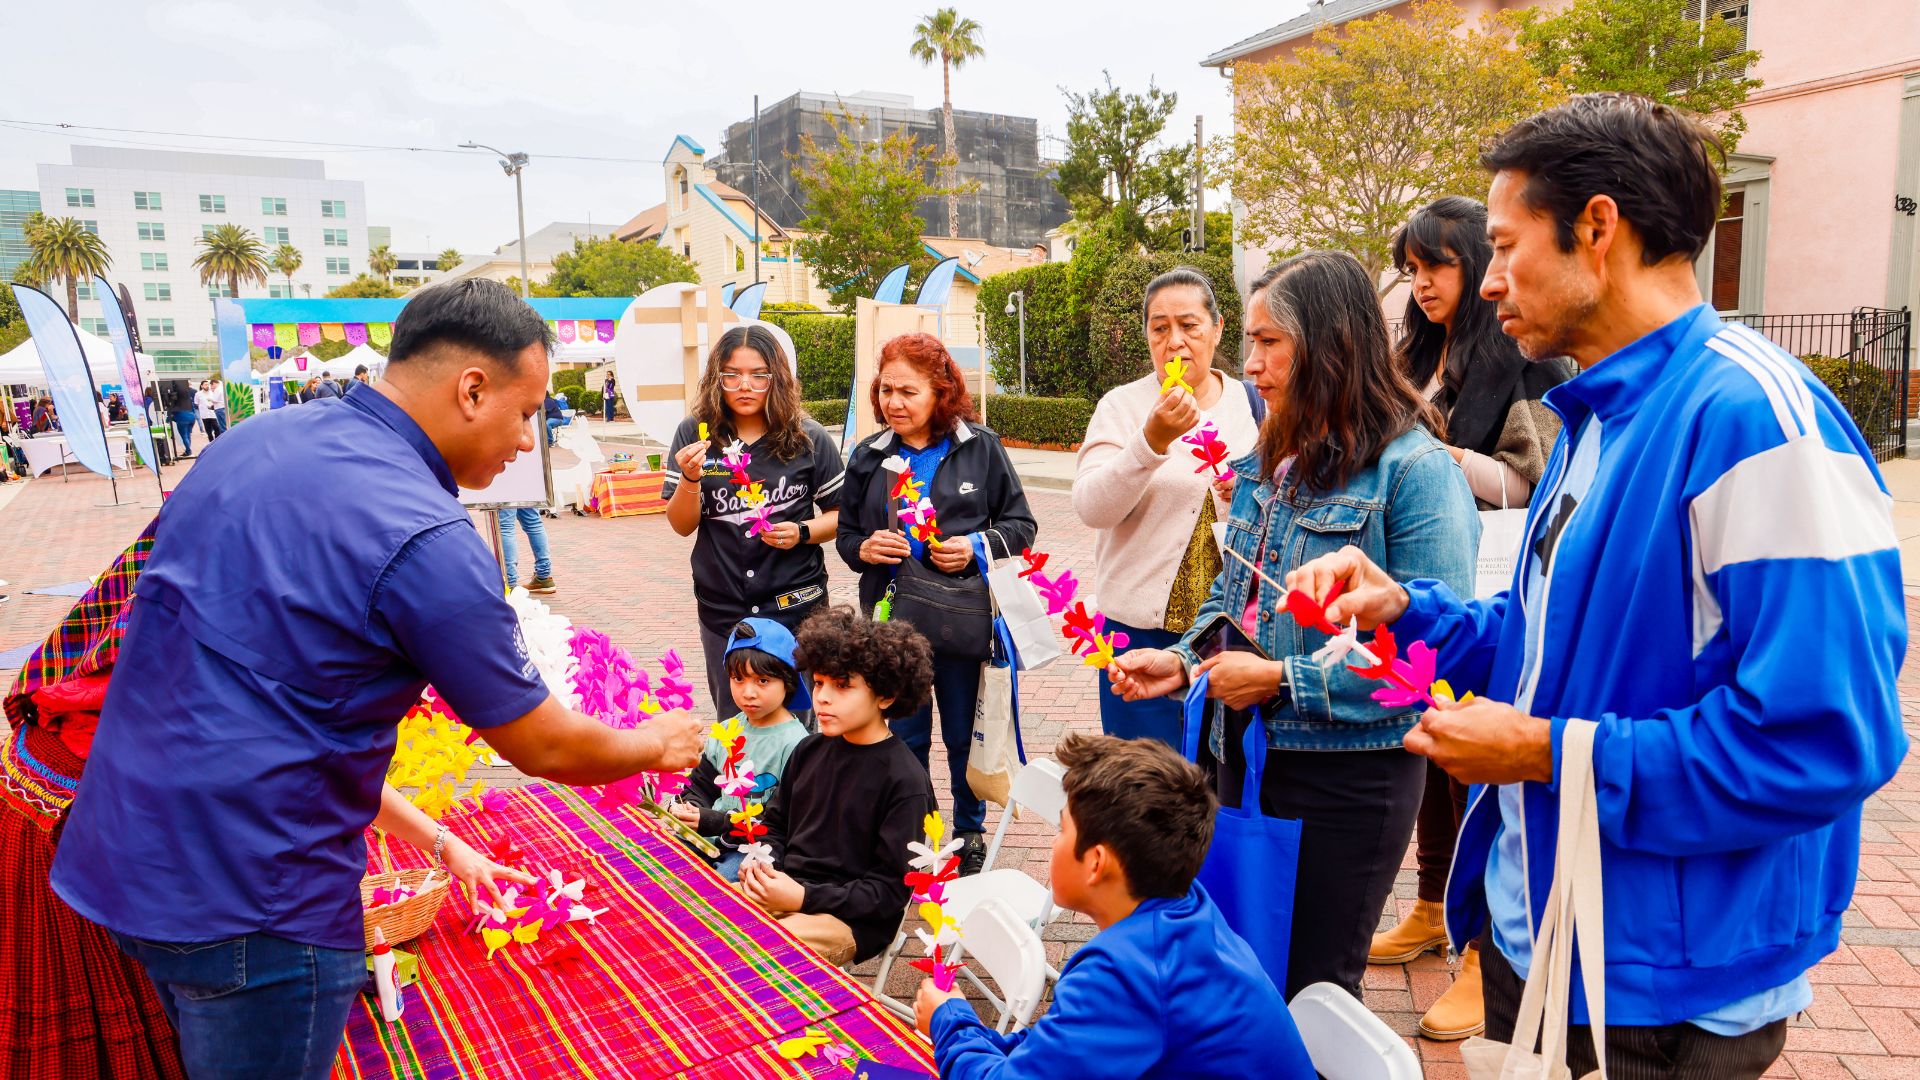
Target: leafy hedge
{"x":828,"y":412}
{"x":587,"y":401}
{"x":1114,"y":326}
{"x":1057,"y":420}
{"x":569,"y":377}
{"x":1867,"y":391}
{"x":823,"y":351}
{"x":1057,"y":360}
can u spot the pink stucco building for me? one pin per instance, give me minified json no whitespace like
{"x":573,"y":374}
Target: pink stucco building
{"x":1825,"y":188}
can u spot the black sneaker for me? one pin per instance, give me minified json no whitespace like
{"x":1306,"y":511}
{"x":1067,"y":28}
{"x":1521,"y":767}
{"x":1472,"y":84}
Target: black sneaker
{"x":542,"y":586}
{"x":973,"y":853}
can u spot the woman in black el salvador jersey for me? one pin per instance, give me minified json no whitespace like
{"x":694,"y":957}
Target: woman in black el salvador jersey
{"x":748,"y":394}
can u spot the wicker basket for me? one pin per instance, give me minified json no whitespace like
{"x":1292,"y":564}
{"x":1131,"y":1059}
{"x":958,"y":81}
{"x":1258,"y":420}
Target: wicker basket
{"x":408,"y":919}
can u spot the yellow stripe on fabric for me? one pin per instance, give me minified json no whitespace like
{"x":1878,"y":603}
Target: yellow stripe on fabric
{"x":540,"y":1001}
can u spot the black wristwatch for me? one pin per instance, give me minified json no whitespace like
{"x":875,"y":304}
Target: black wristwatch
{"x":806,"y":533}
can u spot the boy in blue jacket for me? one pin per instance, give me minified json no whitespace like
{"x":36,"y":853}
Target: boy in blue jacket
{"x":1166,"y":988}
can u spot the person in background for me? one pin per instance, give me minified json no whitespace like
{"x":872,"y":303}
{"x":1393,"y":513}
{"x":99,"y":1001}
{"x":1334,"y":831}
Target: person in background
{"x":1347,"y":456}
{"x":535,"y":526}
{"x":1135,"y":485}
{"x":360,"y":375}
{"x":183,"y":416}
{"x":557,"y":418}
{"x":116,"y":408}
{"x":607,"y":395}
{"x":748,"y":395}
{"x":219,"y":391}
{"x":44,"y":417}
{"x":1710,"y":577}
{"x":920,"y":395}
{"x":207,"y":406}
{"x":1501,"y":433}
{"x":323,"y":387}
{"x":100,"y":405}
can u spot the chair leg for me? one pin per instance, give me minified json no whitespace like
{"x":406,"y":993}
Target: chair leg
{"x":886,"y":964}
{"x":1005,"y":1011}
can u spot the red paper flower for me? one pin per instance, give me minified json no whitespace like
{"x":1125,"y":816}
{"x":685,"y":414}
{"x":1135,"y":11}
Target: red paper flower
{"x":1035,"y":560}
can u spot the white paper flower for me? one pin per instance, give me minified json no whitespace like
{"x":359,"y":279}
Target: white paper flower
{"x":895,"y":464}
{"x":760,"y":853}
{"x":930,"y":860}
{"x":583,"y":913}
{"x":1340,"y":646}
{"x":949,"y":936}
{"x":549,"y":641}
{"x":734,"y":448}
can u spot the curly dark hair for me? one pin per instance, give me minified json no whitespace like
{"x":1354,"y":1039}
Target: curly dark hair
{"x":892,"y":657}
{"x":1150,"y":806}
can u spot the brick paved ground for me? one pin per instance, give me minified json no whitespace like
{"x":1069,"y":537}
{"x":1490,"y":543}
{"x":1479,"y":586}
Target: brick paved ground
{"x":628,"y":578}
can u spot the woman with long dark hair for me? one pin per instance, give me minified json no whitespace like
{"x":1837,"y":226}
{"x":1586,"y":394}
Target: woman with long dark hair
{"x":749,"y":400}
{"x":1500,"y":432}
{"x":1347,"y":456}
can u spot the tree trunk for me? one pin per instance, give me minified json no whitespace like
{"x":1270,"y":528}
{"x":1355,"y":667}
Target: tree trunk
{"x":953,"y":158}
{"x":73,"y":299}
{"x":233,"y":285}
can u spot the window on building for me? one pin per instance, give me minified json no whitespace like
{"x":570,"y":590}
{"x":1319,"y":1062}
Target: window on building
{"x":209,"y":230}
{"x":215,"y":292}
{"x":338,"y":264}
{"x":146,"y":200}
{"x":90,"y":225}
{"x":153,"y":260}
{"x":159,"y":327}
{"x":275,"y":235}
{"x":333,"y":208}
{"x":213,"y":204}
{"x":333,"y":237}
{"x":83,"y":290}
{"x":159,"y":290}
{"x":94,"y":326}
{"x":684,"y":187}
{"x":273,"y":206}
{"x":279,"y":292}
{"x":152,"y":230}
{"x":79,"y":196}
{"x":1728,"y":242}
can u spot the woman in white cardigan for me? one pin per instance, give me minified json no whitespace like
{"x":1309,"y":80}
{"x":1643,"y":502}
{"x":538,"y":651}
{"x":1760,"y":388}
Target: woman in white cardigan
{"x":1151,"y":504}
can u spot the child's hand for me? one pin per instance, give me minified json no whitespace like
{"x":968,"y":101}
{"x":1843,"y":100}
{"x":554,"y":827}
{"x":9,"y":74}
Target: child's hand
{"x":771,"y":889}
{"x":927,"y":1000}
{"x":688,"y":813}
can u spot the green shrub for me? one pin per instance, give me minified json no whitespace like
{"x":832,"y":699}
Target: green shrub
{"x":1867,"y":392}
{"x":1057,"y":360}
{"x":1060,"y":421}
{"x":569,"y":377}
{"x":1114,"y":334}
{"x":827,"y":412}
{"x":587,"y":401}
{"x":823,"y":351}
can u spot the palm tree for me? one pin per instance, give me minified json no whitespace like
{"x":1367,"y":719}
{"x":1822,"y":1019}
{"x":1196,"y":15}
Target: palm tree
{"x":286,"y":260}
{"x":232,"y":254}
{"x":952,"y":40}
{"x":448,"y":259}
{"x":381,"y":261}
{"x":63,"y":248}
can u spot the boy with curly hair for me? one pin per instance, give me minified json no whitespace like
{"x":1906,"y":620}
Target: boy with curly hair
{"x":1166,"y":988}
{"x":853,"y":796}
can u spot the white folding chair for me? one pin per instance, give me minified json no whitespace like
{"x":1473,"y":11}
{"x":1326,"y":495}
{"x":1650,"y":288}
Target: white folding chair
{"x":1001,"y":943}
{"x":1036,"y":787}
{"x":1345,"y":1041}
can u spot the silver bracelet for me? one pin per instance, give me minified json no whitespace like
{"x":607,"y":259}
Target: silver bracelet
{"x":440,"y":845}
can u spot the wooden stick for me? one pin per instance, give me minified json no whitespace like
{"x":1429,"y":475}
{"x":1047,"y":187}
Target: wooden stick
{"x":1358,"y":649}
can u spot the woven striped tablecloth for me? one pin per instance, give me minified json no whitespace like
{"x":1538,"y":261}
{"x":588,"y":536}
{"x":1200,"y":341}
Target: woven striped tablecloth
{"x":681,"y":978}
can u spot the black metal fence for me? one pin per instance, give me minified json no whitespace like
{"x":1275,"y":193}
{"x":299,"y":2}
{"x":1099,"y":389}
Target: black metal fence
{"x":1864,"y":356}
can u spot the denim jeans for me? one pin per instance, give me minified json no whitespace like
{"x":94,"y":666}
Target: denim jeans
{"x":1152,"y":718}
{"x":606,"y":404}
{"x":253,"y":1006}
{"x":956,"y":690}
{"x":554,"y":424}
{"x":536,"y":527}
{"x":221,"y":415}
{"x":729,"y":865}
{"x":184,"y":425}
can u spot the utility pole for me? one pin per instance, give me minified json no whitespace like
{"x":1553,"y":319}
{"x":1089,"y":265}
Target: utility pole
{"x":512,"y":164}
{"x":756,"y":189}
{"x":1199,"y":186}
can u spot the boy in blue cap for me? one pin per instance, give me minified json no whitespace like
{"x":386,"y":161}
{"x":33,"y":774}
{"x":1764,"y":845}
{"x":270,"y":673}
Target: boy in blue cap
{"x":767,"y":687}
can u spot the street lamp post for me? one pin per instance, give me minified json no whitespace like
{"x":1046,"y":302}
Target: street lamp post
{"x":511,"y":164}
{"x":1017,"y":302}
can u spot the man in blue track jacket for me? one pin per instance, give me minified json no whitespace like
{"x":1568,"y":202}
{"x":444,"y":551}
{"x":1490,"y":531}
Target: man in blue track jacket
{"x":1710,"y":575}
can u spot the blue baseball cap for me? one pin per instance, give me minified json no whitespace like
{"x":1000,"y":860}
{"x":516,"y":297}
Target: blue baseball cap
{"x":777,"y":641}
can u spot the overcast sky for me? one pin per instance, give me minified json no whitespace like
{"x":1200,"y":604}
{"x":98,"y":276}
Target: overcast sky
{"x":581,"y":77}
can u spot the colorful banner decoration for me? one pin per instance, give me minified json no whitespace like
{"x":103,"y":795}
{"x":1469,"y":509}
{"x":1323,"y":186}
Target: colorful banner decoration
{"x":133,"y":392}
{"x":67,"y":377}
{"x":333,"y":331}
{"x":566,"y":331}
{"x":262,"y":335}
{"x":309,"y":334}
{"x":356,"y":334}
{"x":586,"y":330}
{"x":286,"y":335}
{"x":236,"y":362}
{"x":380,"y":334}
{"x":603,"y":329}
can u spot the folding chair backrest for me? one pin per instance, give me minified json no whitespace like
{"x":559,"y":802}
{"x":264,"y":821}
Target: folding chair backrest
{"x":1007,"y":949}
{"x":1039,"y":786}
{"x":1347,"y":1042}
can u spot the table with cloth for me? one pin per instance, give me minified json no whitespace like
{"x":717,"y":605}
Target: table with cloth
{"x":682,"y":977}
{"x":45,"y":452}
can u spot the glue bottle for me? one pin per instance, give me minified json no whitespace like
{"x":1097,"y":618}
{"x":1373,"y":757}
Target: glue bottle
{"x":385,"y":980}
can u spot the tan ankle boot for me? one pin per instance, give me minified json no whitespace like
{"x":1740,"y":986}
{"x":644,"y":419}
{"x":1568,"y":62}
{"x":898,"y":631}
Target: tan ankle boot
{"x":1461,"y":1011}
{"x":1424,"y":928}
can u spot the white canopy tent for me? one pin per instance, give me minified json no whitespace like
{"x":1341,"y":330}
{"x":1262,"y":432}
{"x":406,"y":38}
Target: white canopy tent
{"x":290,"y":368}
{"x":22,"y":365}
{"x":341,"y":367}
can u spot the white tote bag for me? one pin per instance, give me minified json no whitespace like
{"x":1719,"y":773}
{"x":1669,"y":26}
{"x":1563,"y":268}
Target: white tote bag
{"x":1035,"y":642}
{"x":1502,"y":532}
{"x":996,"y":754}
{"x":1573,"y":901}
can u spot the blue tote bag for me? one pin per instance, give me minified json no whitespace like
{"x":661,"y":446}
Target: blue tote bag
{"x":1252,"y":865}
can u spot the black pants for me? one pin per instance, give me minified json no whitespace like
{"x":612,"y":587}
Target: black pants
{"x":1670,"y":1052}
{"x":1438,"y":827}
{"x":1356,"y":809}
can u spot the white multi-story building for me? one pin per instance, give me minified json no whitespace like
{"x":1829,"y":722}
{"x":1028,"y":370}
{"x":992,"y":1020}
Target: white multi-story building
{"x":151,"y":207}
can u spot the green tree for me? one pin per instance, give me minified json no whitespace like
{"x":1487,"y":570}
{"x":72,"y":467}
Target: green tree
{"x":63,"y":248}
{"x":952,"y":40}
{"x":232,"y":254}
{"x":1691,"y":55}
{"x":364,"y":287}
{"x":13,"y":325}
{"x":1114,"y":167}
{"x":448,"y":259}
{"x":381,"y":261}
{"x":286,"y":260}
{"x":1337,"y":145}
{"x":607,"y":267}
{"x":1167,"y":233}
{"x":860,"y":198}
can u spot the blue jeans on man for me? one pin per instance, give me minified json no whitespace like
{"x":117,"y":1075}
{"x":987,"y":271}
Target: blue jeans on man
{"x":554,"y":424}
{"x":536,"y":529}
{"x":956,"y":690}
{"x":221,"y":415}
{"x":256,"y":1005}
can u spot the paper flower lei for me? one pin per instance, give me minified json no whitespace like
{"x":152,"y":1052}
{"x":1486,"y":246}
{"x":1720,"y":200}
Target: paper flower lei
{"x":915,"y":510}
{"x":736,"y":459}
{"x":554,"y":901}
{"x":933,"y":866}
{"x":617,"y":692}
{"x":738,"y":779}
{"x":1086,"y":631}
{"x":1208,"y":448}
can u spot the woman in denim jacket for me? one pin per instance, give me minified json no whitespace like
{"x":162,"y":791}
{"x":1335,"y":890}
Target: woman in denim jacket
{"x":1319,"y":357}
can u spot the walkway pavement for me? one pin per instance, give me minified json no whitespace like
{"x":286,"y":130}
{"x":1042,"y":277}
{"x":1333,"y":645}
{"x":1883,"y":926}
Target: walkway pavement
{"x":628,"y":578}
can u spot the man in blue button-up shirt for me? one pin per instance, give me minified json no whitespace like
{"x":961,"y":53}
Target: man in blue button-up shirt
{"x":278,"y":634}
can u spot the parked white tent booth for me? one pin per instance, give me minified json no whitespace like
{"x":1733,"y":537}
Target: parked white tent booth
{"x":22,"y":365}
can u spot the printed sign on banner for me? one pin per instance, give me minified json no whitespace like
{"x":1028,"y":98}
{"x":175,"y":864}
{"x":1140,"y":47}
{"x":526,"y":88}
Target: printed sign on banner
{"x":67,"y":377}
{"x":118,"y":309}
